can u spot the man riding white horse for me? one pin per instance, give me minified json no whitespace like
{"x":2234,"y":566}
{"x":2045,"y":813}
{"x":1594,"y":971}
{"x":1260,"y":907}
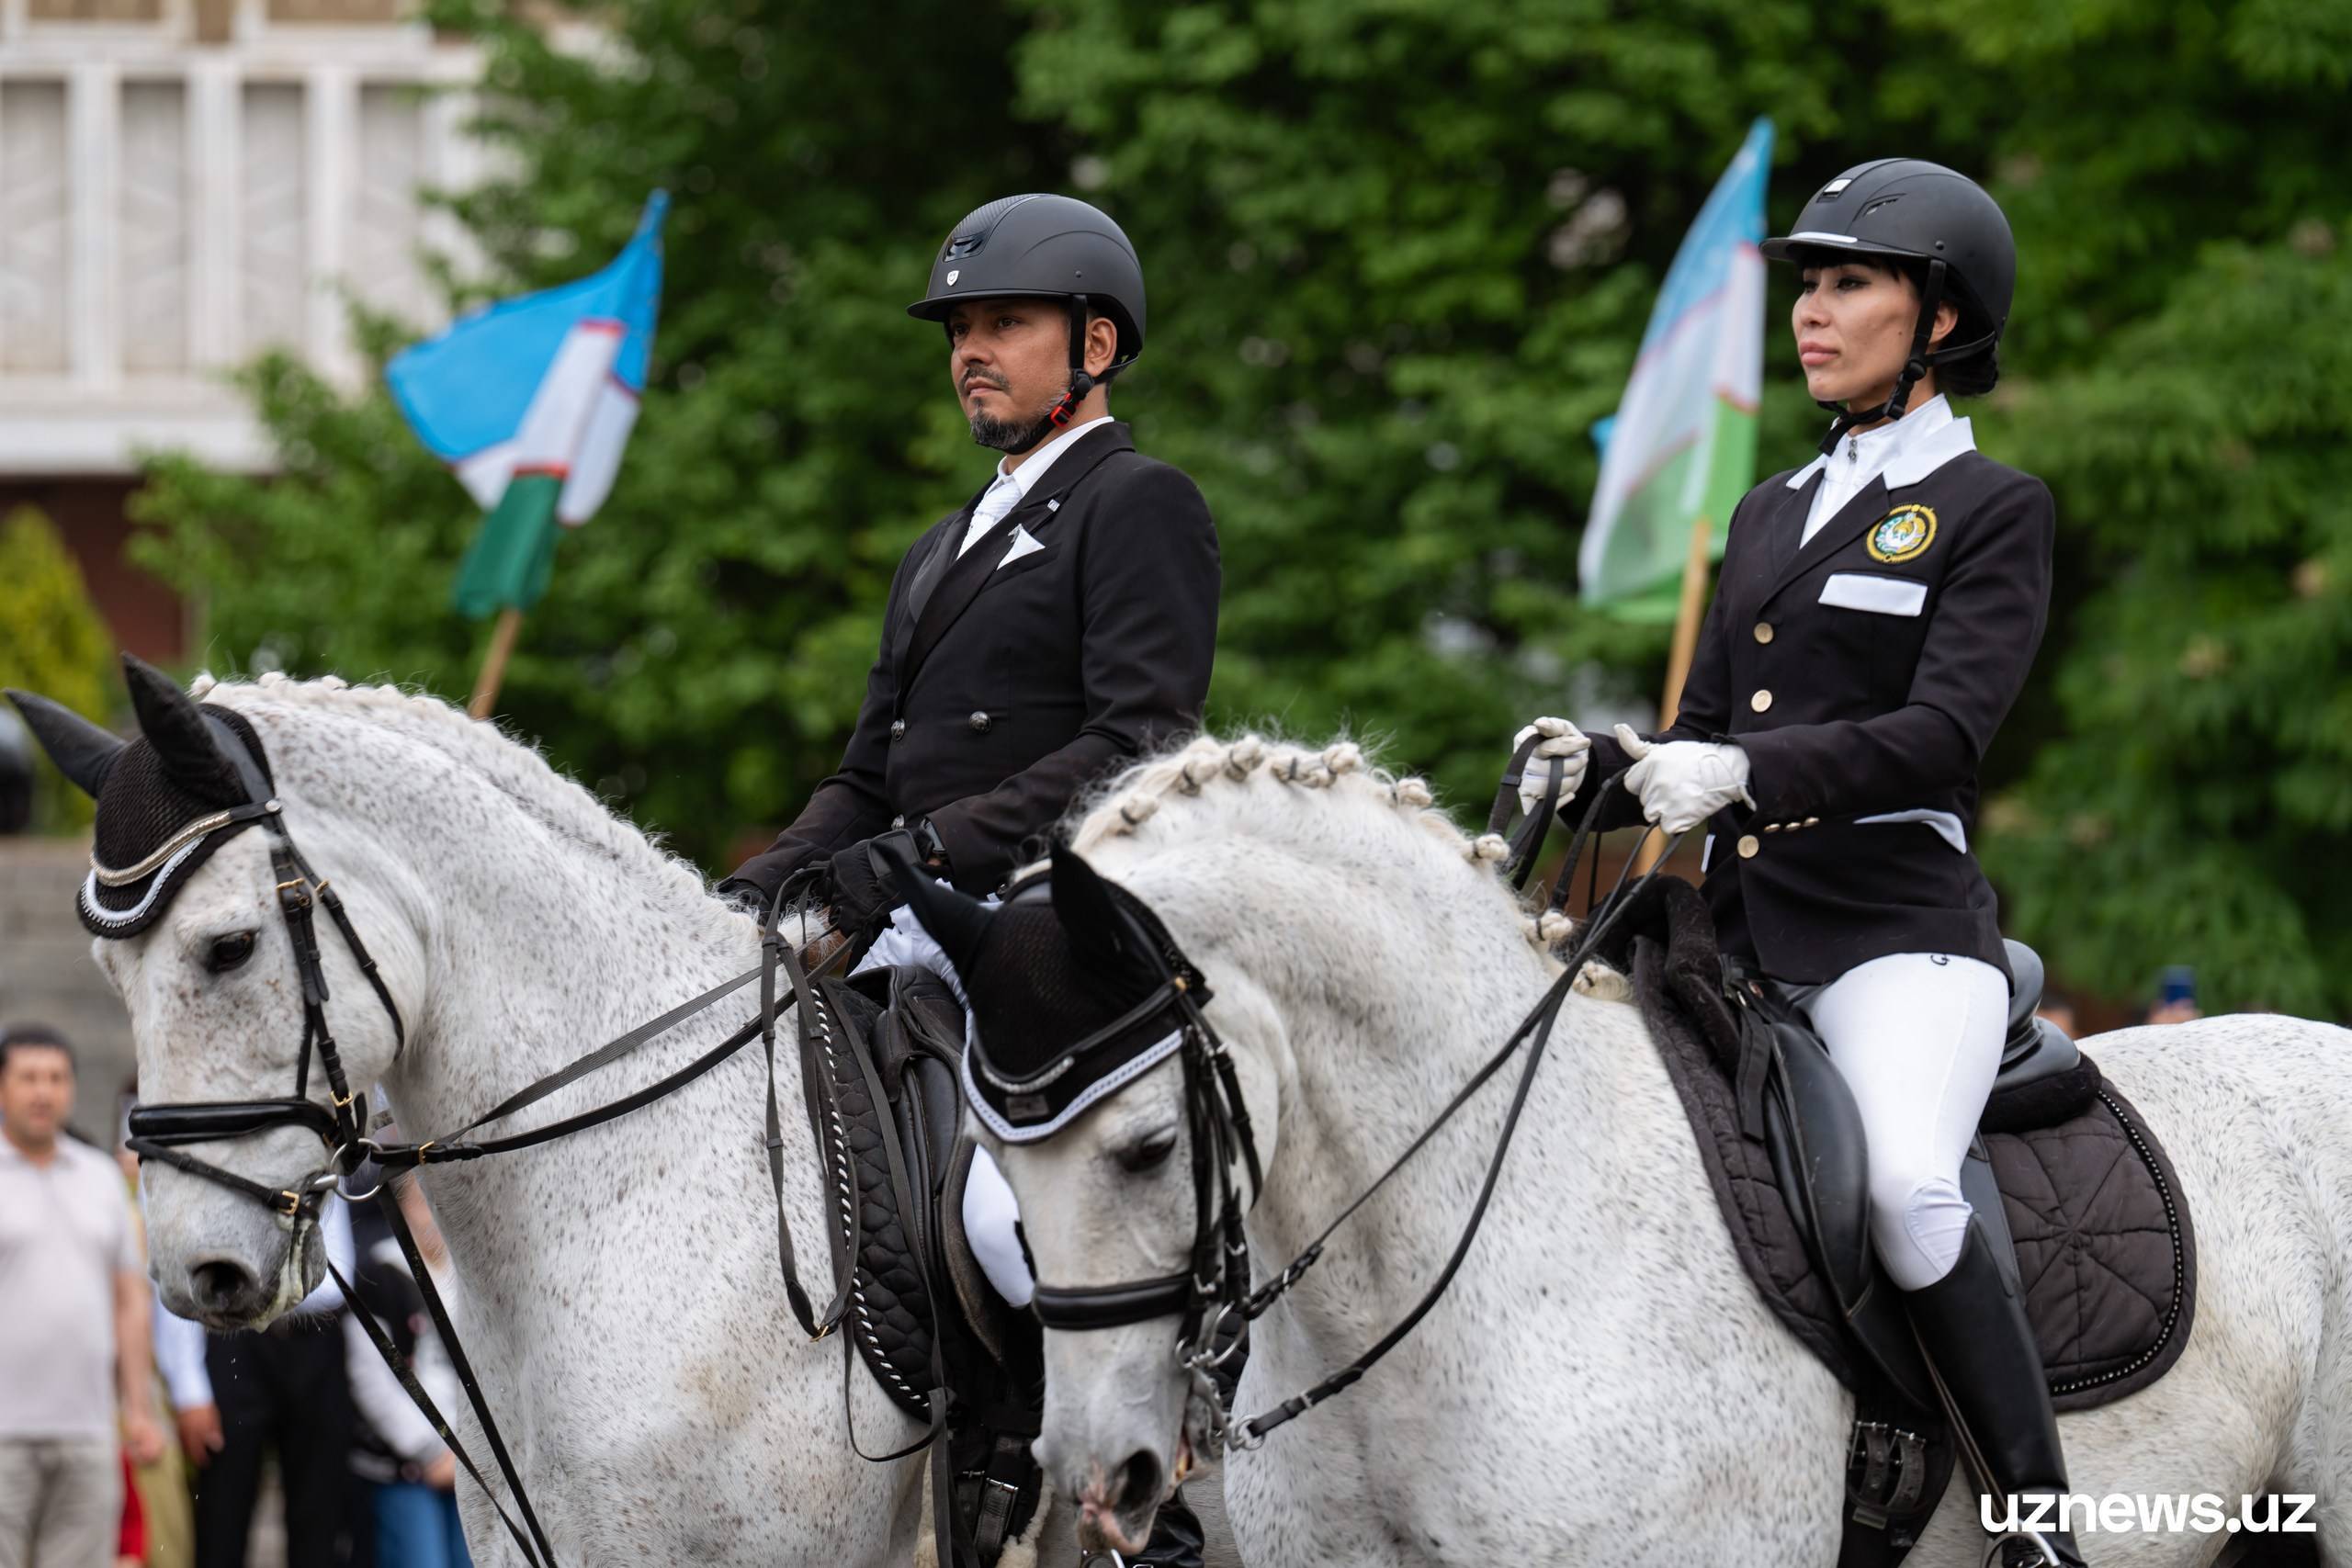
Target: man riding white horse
{"x":1059,"y":622}
{"x":1056,"y":627}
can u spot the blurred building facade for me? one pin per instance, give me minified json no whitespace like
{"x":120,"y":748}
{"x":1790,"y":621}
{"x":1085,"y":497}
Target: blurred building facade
{"x":184,"y":183}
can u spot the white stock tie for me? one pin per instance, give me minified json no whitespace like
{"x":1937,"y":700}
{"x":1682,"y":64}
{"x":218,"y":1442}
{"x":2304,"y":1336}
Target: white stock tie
{"x":1000,"y":498}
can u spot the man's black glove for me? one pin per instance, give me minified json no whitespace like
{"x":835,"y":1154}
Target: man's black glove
{"x":803,"y":885}
{"x":862,"y":881}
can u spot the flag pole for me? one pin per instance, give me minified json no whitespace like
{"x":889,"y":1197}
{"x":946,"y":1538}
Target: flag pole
{"x":1678,"y":659}
{"x":494,"y":663}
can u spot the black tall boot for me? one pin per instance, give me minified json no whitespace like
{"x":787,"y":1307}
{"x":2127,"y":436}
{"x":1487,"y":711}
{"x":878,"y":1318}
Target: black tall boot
{"x":1976,"y":1336}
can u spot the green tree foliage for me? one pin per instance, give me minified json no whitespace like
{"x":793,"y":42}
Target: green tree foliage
{"x":2199,"y":802}
{"x":56,"y":644}
{"x":1400,"y":254}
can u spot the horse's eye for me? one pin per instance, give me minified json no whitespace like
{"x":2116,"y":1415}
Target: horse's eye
{"x":1149,"y":1155}
{"x":228,"y":952}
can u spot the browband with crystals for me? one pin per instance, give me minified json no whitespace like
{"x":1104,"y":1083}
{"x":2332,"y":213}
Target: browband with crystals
{"x":172,"y":847}
{"x":985,"y":1107}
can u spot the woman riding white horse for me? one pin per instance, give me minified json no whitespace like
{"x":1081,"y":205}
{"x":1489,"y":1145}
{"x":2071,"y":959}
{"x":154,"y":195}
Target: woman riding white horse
{"x":1878,"y":611}
{"x":1600,"y":1385}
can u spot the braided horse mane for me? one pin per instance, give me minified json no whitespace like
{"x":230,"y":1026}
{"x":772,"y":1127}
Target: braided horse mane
{"x":512,"y":767}
{"x":1206,"y":770}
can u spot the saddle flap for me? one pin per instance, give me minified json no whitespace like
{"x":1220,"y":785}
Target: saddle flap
{"x":1813,"y":1132}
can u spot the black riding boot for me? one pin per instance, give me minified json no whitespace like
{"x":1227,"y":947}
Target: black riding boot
{"x":1975,"y":1333}
{"x":1176,"y":1540}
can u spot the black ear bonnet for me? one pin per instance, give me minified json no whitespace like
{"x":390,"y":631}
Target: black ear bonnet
{"x":1076,"y":991}
{"x":194,"y":777}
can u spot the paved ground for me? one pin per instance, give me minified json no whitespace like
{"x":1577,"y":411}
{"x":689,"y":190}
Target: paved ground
{"x":1207,"y":1494}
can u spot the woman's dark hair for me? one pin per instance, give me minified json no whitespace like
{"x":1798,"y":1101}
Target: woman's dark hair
{"x":1971,"y":376}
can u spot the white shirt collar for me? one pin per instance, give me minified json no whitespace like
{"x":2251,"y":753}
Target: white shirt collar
{"x":1906,"y":451}
{"x":1026,"y":476}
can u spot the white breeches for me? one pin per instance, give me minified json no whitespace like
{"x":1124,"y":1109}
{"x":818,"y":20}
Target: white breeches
{"x":1918,"y":1038}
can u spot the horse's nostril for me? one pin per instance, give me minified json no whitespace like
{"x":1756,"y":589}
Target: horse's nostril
{"x":220,"y":1286}
{"x":1137,"y":1481}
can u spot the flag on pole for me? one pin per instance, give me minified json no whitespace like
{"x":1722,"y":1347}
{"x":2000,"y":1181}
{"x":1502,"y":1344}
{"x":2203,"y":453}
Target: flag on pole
{"x":1682,"y":443}
{"x":531,"y":401}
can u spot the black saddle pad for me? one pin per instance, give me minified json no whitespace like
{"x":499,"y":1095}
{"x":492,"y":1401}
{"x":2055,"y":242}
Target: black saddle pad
{"x":2103,"y":1243}
{"x":870,"y":1035}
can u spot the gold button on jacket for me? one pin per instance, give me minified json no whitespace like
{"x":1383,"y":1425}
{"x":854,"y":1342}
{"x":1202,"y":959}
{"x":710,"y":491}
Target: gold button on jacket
{"x":1760,"y":701}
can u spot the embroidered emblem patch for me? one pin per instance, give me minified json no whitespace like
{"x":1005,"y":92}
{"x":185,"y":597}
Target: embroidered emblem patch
{"x":1902,"y":535}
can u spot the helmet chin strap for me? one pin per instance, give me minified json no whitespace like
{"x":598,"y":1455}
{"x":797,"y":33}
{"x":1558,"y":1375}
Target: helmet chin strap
{"x":1915,"y":365}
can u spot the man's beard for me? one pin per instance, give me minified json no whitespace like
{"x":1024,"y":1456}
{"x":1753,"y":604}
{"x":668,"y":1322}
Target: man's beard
{"x":1013,"y":436}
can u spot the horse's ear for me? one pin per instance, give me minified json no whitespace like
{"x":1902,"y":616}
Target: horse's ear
{"x":171,"y":723}
{"x":956,"y":920}
{"x":82,"y":752}
{"x":1083,"y":903}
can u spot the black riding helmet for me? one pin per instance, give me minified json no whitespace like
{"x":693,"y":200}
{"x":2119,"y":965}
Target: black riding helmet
{"x":1045,"y":247}
{"x":1927,"y":217}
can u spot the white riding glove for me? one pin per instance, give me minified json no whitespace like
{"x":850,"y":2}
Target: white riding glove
{"x":1683,"y":782}
{"x":1564,"y":750}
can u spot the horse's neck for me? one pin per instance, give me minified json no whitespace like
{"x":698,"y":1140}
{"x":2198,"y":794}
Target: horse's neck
{"x":1365,"y":1082}
{"x":534,"y":963}
{"x":539,"y":943}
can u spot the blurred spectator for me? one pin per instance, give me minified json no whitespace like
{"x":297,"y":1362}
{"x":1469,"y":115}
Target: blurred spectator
{"x":165,"y":1511}
{"x":73,"y":1367}
{"x":395,"y":1451}
{"x":2058,"y":1008}
{"x":241,"y":1394}
{"x":2176,"y":996}
{"x":130,"y":1539}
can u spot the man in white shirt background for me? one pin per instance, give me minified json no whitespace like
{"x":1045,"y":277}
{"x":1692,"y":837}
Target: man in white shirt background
{"x":74,"y":1299}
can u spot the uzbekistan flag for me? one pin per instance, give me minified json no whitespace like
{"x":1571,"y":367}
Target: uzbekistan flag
{"x":1682,"y":443}
{"x":531,"y":401}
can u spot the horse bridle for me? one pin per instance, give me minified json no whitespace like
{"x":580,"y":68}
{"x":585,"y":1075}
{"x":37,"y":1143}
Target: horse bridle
{"x":1215,"y":1294}
{"x":1212,"y":1291}
{"x":162,"y":1132}
{"x":159,"y":1131}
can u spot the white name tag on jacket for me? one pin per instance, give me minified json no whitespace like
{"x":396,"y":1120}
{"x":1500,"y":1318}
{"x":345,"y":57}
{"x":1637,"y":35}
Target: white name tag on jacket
{"x":1880,"y":595}
{"x":1024,"y":542}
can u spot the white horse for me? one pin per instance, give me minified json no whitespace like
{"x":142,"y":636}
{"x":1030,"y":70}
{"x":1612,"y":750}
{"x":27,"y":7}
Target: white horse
{"x":1601,"y":1385}
{"x":621,"y":1300}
